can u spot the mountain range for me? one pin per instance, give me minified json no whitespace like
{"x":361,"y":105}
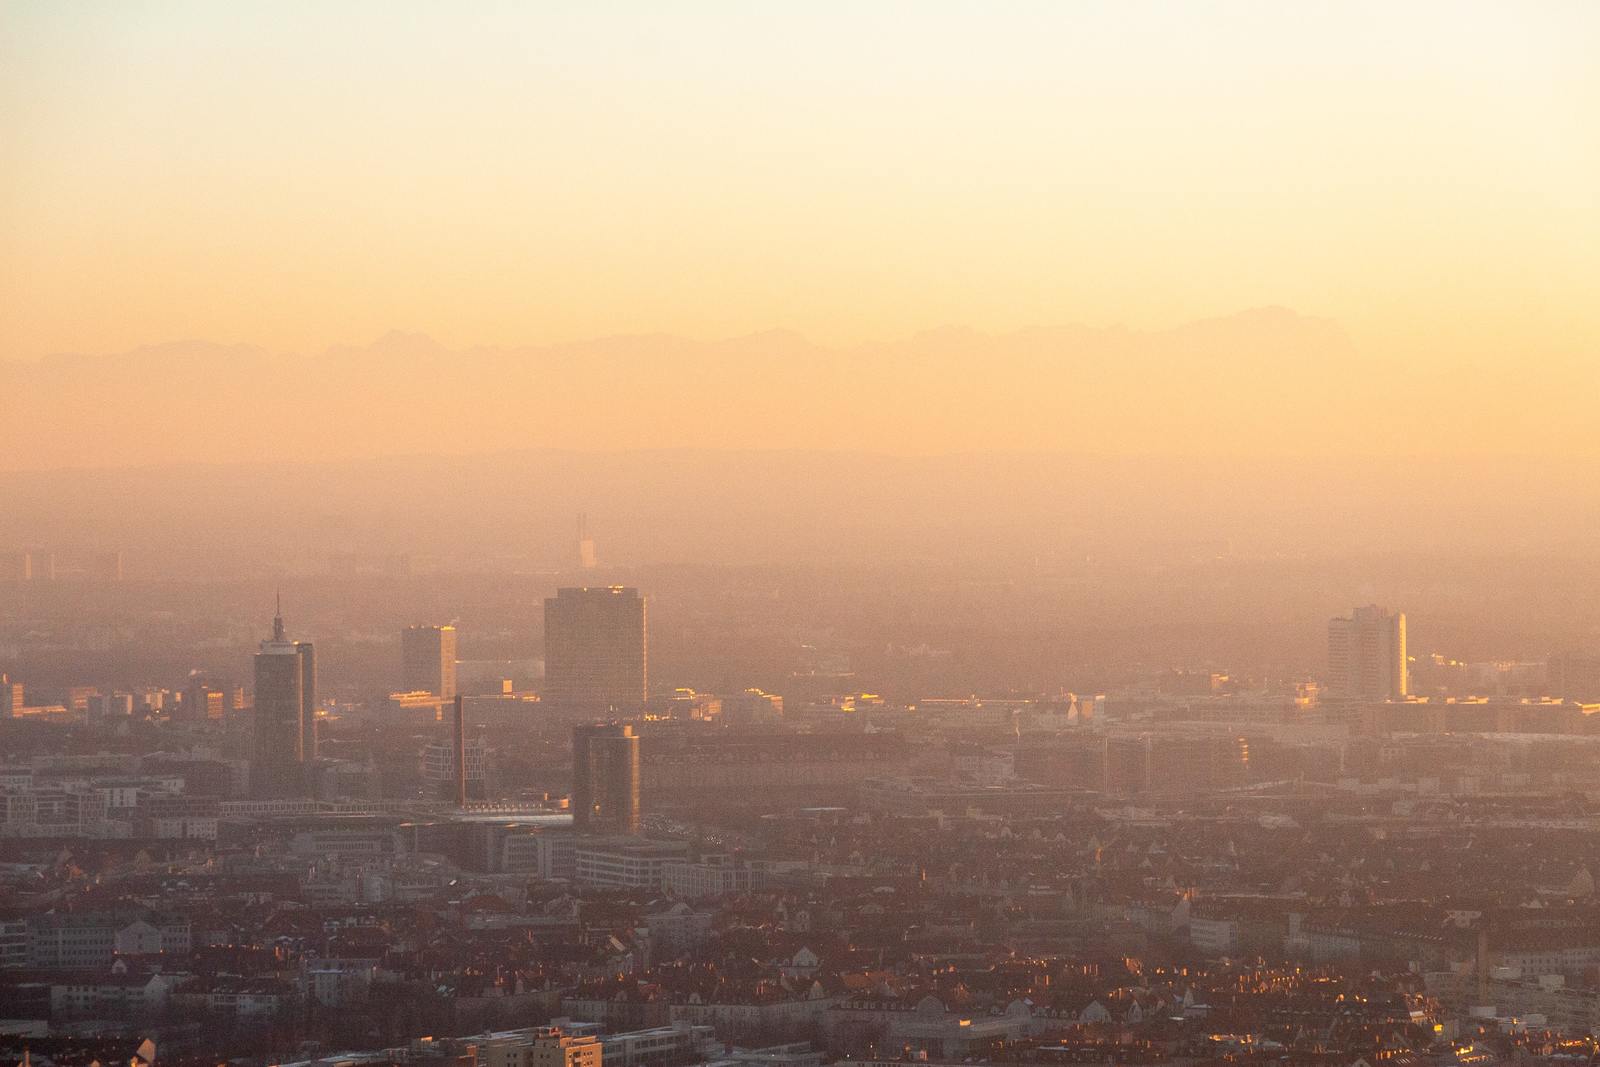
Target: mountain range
{"x":1218,"y":386}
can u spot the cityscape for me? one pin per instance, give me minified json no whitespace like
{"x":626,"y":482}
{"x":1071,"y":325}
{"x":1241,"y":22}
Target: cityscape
{"x":873,"y":534}
{"x":561,"y":859}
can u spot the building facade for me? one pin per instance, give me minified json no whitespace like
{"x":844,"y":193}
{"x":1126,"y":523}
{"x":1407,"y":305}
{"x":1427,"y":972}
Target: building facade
{"x":285,"y":714}
{"x":596,"y":649}
{"x":428,"y":660}
{"x":605,"y":779}
{"x":1367,"y":655}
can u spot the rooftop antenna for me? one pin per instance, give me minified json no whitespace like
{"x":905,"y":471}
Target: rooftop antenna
{"x":277,"y":619}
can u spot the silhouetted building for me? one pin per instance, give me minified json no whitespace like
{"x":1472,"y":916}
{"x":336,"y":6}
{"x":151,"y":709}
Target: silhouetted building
{"x":285,"y":714}
{"x":308,"y":699}
{"x":752,"y":707}
{"x":428,"y":660}
{"x":105,"y":706}
{"x":202,"y":701}
{"x":440,"y":769}
{"x":605,"y":779}
{"x":456,"y":770}
{"x":459,"y":760}
{"x":1367,"y":655}
{"x":595,"y":649}
{"x":1575,"y":676}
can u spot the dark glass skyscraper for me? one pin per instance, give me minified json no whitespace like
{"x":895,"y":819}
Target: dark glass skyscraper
{"x":285,"y":714}
{"x":596,"y":649}
{"x":605,"y":779}
{"x":308,"y":699}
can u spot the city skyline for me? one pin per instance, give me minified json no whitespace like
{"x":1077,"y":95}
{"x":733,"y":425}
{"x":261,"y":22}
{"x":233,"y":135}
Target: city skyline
{"x":902,"y":533}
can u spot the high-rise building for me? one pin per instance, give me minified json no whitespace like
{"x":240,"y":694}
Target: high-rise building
{"x":12,"y":700}
{"x":587,"y":561}
{"x":202,"y":701}
{"x":605,"y":779}
{"x":428,"y":660}
{"x":1367,"y":655}
{"x":595,"y":649}
{"x":1575,"y":676}
{"x":285,"y":714}
{"x":459,"y":753}
{"x":307,"y":652}
{"x":439,"y":769}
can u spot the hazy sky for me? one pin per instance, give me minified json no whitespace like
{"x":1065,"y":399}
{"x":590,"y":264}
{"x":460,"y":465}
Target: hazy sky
{"x":305,"y":174}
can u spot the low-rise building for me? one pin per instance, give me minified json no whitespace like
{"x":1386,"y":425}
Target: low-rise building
{"x":626,"y":862}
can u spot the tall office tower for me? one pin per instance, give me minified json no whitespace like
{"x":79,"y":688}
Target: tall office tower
{"x":595,"y":649}
{"x":11,"y":698}
{"x":605,"y":779}
{"x":1367,"y":655}
{"x":428,"y":660}
{"x":307,"y":652}
{"x":285,"y":714}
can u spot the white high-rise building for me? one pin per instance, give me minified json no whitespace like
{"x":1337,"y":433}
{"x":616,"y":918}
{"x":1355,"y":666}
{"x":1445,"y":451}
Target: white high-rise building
{"x":1367,"y":655}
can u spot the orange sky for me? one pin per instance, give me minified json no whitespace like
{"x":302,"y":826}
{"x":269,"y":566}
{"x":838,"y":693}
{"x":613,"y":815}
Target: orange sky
{"x":301,"y":175}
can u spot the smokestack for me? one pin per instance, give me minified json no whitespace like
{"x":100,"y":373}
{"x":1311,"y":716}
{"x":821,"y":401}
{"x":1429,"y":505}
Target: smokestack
{"x":461,"y":754}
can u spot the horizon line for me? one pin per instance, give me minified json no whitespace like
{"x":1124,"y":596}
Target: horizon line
{"x":422,"y":336}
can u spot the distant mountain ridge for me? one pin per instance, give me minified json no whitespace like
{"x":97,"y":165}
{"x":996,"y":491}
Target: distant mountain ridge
{"x":950,"y":389}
